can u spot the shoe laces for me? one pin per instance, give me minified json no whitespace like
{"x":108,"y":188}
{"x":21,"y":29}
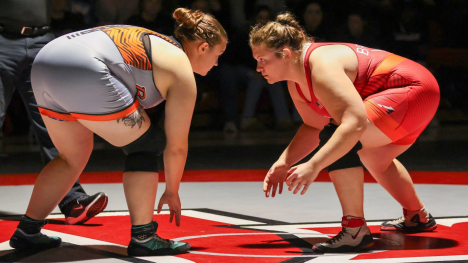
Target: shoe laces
{"x":80,"y":198}
{"x":398,"y":220}
{"x":163,"y":239}
{"x":338,"y":237}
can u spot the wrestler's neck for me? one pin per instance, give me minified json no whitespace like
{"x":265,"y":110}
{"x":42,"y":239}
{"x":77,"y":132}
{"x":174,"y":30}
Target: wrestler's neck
{"x":191,"y":48}
{"x":294,"y":70}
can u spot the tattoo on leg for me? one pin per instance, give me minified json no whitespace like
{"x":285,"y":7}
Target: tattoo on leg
{"x":136,"y":118}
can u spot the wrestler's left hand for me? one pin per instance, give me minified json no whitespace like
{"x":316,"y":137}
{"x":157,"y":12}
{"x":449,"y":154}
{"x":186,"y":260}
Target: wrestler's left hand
{"x":301,"y":175}
{"x":173,"y":201}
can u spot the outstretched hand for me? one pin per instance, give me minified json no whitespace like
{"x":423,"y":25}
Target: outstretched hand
{"x":301,"y":176}
{"x":275,"y":179}
{"x":173,"y":201}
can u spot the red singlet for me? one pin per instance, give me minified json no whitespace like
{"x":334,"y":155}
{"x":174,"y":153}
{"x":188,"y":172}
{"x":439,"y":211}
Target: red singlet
{"x":400,"y":95}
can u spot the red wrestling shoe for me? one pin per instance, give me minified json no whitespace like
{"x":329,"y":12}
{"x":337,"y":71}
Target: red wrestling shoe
{"x":85,"y":207}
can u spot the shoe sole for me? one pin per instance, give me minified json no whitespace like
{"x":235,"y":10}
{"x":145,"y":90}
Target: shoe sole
{"x":345,"y":248}
{"x":24,"y":245}
{"x":392,"y":228}
{"x":145,"y":252}
{"x":94,"y":208}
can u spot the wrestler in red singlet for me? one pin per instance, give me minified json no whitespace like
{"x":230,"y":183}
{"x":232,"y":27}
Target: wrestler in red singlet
{"x":400,"y":95}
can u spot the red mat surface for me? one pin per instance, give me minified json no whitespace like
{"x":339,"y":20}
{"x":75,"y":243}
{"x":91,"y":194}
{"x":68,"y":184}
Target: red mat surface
{"x":419,"y":177}
{"x":246,"y":243}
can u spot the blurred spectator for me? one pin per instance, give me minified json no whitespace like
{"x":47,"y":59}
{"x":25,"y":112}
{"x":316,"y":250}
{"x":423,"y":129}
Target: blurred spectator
{"x":87,"y":8}
{"x":63,"y":20}
{"x":453,"y":16}
{"x":151,"y":16}
{"x":410,"y":30}
{"x":312,"y":17}
{"x":237,"y":68}
{"x":275,"y":6}
{"x":115,"y":11}
{"x":218,"y":8}
{"x":357,"y":31}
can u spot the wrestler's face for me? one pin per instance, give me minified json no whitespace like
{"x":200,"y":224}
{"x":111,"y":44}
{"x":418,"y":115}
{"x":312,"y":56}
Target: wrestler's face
{"x":269,"y":64}
{"x":208,"y":57}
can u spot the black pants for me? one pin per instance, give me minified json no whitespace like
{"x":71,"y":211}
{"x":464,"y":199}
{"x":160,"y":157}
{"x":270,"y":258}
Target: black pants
{"x":17,"y":54}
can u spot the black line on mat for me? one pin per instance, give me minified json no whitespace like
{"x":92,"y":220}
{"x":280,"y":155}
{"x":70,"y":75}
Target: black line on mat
{"x":239,"y":216}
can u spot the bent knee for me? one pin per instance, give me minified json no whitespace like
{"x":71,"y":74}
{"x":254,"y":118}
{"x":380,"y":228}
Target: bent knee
{"x":77,"y":162}
{"x":374,"y":163}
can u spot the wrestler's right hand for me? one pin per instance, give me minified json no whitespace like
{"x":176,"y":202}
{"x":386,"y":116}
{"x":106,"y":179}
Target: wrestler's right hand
{"x":275,"y":178}
{"x":173,"y":201}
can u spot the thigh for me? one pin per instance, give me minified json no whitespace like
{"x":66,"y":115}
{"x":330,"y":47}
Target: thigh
{"x":73,"y":141}
{"x":379,"y":158}
{"x":373,"y":137}
{"x":122,"y":131}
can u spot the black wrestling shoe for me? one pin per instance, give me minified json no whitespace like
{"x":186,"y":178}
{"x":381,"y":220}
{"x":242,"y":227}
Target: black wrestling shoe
{"x":84,"y":208}
{"x":145,"y":242}
{"x":37,"y":241}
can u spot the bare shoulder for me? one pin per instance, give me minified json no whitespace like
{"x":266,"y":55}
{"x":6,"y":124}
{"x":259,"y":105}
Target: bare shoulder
{"x":165,"y":55}
{"x":170,"y":65}
{"x":333,"y":55}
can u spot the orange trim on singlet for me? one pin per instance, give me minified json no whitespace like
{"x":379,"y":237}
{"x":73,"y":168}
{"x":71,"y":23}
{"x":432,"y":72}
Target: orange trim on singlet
{"x":384,"y":122}
{"x":388,"y":64}
{"x":76,"y":116}
{"x":56,"y":115}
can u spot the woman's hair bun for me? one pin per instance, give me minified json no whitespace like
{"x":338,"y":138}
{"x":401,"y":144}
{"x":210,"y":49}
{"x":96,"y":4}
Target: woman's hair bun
{"x":287,"y":19}
{"x":188,"y":18}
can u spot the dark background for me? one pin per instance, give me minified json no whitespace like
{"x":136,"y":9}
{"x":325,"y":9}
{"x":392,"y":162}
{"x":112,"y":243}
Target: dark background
{"x":431,"y":32}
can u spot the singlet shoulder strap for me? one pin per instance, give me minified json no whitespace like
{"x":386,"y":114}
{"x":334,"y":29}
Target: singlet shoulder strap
{"x":308,"y":74}
{"x":169,"y":39}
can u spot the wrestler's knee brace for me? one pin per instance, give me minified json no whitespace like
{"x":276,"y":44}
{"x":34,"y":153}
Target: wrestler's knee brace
{"x":349,"y":160}
{"x":142,"y":153}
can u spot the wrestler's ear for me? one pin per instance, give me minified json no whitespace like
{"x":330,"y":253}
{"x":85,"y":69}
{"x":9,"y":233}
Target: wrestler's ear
{"x":203,"y":47}
{"x":286,"y":52}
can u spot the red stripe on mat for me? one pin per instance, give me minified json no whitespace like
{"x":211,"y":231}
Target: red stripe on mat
{"x":419,"y":177}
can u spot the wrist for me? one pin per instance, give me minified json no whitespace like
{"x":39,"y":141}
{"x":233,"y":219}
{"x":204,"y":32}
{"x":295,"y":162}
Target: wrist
{"x":171,"y":190}
{"x":283,"y":163}
{"x":314,"y":165}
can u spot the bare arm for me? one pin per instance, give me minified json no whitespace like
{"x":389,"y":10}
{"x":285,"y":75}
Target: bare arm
{"x":174,"y":78}
{"x":303,"y":143}
{"x":332,"y":71}
{"x":306,"y":138}
{"x":180,"y":102}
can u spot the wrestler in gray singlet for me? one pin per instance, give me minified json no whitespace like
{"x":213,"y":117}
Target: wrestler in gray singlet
{"x":96,"y":74}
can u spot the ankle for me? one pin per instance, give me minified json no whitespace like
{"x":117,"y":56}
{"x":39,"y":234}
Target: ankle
{"x":31,"y":226}
{"x":352,"y":221}
{"x":143,"y":232}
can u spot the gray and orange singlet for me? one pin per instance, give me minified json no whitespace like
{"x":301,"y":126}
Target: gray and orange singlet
{"x":400,"y":96}
{"x":99,"y":74}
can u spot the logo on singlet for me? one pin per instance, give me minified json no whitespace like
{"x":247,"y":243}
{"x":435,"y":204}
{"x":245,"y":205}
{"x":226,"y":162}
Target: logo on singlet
{"x":362,"y":49}
{"x":141,"y":92}
{"x":389,"y":108}
{"x":319,"y":104}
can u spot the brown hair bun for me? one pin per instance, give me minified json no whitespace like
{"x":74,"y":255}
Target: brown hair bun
{"x":287,"y":19}
{"x":284,"y":31}
{"x":194,"y":24}
{"x":188,"y":18}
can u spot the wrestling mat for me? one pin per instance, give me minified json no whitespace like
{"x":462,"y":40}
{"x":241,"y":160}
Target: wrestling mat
{"x":217,"y":236}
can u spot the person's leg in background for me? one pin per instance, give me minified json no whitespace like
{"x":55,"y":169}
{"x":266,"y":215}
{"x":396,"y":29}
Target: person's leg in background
{"x":253,"y":92}
{"x":76,"y":202}
{"x":282,"y":116}
{"x":229,"y":83}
